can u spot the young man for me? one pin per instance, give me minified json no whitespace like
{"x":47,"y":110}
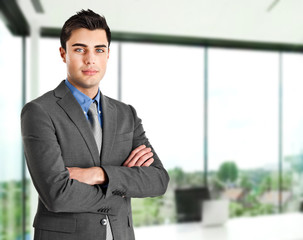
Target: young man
{"x":87,"y":153}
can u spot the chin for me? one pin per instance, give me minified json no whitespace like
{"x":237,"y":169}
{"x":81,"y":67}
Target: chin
{"x":86,"y":82}
{"x":90,"y":82}
{"x":92,"y":85}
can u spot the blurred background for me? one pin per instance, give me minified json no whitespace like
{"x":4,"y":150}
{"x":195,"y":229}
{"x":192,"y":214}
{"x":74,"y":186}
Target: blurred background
{"x":218,"y":85}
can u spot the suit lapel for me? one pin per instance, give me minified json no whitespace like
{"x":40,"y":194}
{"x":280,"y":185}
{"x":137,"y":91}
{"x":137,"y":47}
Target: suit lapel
{"x":72,"y":108}
{"x":109,"y":113}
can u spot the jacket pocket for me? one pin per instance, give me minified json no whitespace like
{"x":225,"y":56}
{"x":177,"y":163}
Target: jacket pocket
{"x":55,"y":223}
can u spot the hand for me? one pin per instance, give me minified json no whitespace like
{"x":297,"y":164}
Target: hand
{"x":140,"y":157}
{"x":91,"y":176}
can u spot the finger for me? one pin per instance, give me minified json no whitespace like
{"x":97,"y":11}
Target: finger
{"x":133,"y":153}
{"x":136,"y":153}
{"x":137,"y":156}
{"x":143,"y":159}
{"x":148,"y":162}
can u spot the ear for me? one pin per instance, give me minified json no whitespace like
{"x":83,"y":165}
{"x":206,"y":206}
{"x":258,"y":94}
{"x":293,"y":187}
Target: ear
{"x":62,"y":54}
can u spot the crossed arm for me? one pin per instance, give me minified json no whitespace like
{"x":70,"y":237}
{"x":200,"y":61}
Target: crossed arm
{"x":141,"y":175}
{"x":139,"y":157}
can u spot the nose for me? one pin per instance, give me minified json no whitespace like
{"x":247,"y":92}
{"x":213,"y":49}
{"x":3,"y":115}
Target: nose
{"x":89,"y":58}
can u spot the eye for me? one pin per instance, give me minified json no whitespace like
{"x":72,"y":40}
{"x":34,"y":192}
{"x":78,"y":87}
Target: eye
{"x":99,"y":50}
{"x":80,"y":50}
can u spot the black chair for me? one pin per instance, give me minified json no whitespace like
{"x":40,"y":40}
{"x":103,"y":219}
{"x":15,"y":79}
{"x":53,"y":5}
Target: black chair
{"x":189,"y":203}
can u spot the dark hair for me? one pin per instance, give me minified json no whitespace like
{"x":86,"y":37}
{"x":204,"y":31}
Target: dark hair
{"x":83,"y":19}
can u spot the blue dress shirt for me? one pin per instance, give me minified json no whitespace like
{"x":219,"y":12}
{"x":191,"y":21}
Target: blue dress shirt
{"x":85,"y":101}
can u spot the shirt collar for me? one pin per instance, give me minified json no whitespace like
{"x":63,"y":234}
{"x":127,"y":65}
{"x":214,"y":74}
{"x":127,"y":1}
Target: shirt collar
{"x":83,"y":99}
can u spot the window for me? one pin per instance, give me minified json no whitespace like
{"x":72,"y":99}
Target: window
{"x":165,"y":85}
{"x":292,"y":132}
{"x":10,"y":138}
{"x":243,"y":129}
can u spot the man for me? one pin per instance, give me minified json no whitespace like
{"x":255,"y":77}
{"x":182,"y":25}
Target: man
{"x":87,"y":153}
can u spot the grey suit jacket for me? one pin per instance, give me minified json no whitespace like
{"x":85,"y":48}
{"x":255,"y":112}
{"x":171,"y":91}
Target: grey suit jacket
{"x":56,"y":135}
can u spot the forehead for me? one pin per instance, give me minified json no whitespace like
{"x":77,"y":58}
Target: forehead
{"x":88,"y":37}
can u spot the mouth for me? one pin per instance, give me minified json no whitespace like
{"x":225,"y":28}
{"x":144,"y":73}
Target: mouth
{"x":89,"y":72}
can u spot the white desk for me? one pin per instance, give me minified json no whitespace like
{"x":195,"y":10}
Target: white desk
{"x":274,"y":227}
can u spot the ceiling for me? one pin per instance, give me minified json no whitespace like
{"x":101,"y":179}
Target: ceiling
{"x":269,"y":21}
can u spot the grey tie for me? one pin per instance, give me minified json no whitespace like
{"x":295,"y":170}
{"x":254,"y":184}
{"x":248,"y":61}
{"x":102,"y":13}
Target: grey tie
{"x":95,"y":124}
{"x":97,"y":131}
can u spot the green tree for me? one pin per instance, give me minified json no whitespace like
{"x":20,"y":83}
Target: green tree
{"x":246,"y":183}
{"x":228,"y":172}
{"x":267,"y":184}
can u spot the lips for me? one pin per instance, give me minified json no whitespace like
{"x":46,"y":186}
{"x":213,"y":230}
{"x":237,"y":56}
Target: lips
{"x":89,"y":72}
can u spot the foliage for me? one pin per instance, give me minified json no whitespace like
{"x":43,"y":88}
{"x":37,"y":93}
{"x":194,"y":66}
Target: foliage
{"x":178,"y":178}
{"x":296,"y":162}
{"x":146,"y":211}
{"x":11,"y":209}
{"x":237,"y":209}
{"x":255,"y":182}
{"x":158,"y":210}
{"x":216,"y":184}
{"x":272,"y":182}
{"x":246,"y":183}
{"x":228,"y":172}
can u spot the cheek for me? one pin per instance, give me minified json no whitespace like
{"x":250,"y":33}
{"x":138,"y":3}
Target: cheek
{"x":103,"y":63}
{"x":73,"y":63}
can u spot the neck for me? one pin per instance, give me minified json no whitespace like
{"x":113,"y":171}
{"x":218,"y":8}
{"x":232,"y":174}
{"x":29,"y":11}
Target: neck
{"x":88,"y":91}
{"x":92,"y":93}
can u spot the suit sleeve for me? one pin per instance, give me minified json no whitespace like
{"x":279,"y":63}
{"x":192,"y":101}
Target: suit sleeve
{"x":49,"y":174}
{"x":137,"y":182}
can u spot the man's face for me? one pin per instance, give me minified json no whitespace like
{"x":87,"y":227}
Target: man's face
{"x":86,"y":58}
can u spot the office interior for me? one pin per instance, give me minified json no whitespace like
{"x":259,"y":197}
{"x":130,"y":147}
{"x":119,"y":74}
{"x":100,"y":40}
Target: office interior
{"x":218,"y":86}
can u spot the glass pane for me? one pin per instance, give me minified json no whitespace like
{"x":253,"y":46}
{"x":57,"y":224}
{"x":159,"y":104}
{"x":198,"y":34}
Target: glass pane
{"x":165,"y":85}
{"x":243,"y":129}
{"x":10,"y":137}
{"x":292,"y":132}
{"x":52,"y":70}
{"x":109,"y":84}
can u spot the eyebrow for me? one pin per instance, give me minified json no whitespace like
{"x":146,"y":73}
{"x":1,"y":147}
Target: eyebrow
{"x":84,"y":45}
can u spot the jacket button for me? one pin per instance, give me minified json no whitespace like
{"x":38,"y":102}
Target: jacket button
{"x":103,"y":221}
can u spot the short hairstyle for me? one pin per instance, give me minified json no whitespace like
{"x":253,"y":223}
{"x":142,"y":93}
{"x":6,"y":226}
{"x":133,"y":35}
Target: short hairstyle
{"x":83,"y":19}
